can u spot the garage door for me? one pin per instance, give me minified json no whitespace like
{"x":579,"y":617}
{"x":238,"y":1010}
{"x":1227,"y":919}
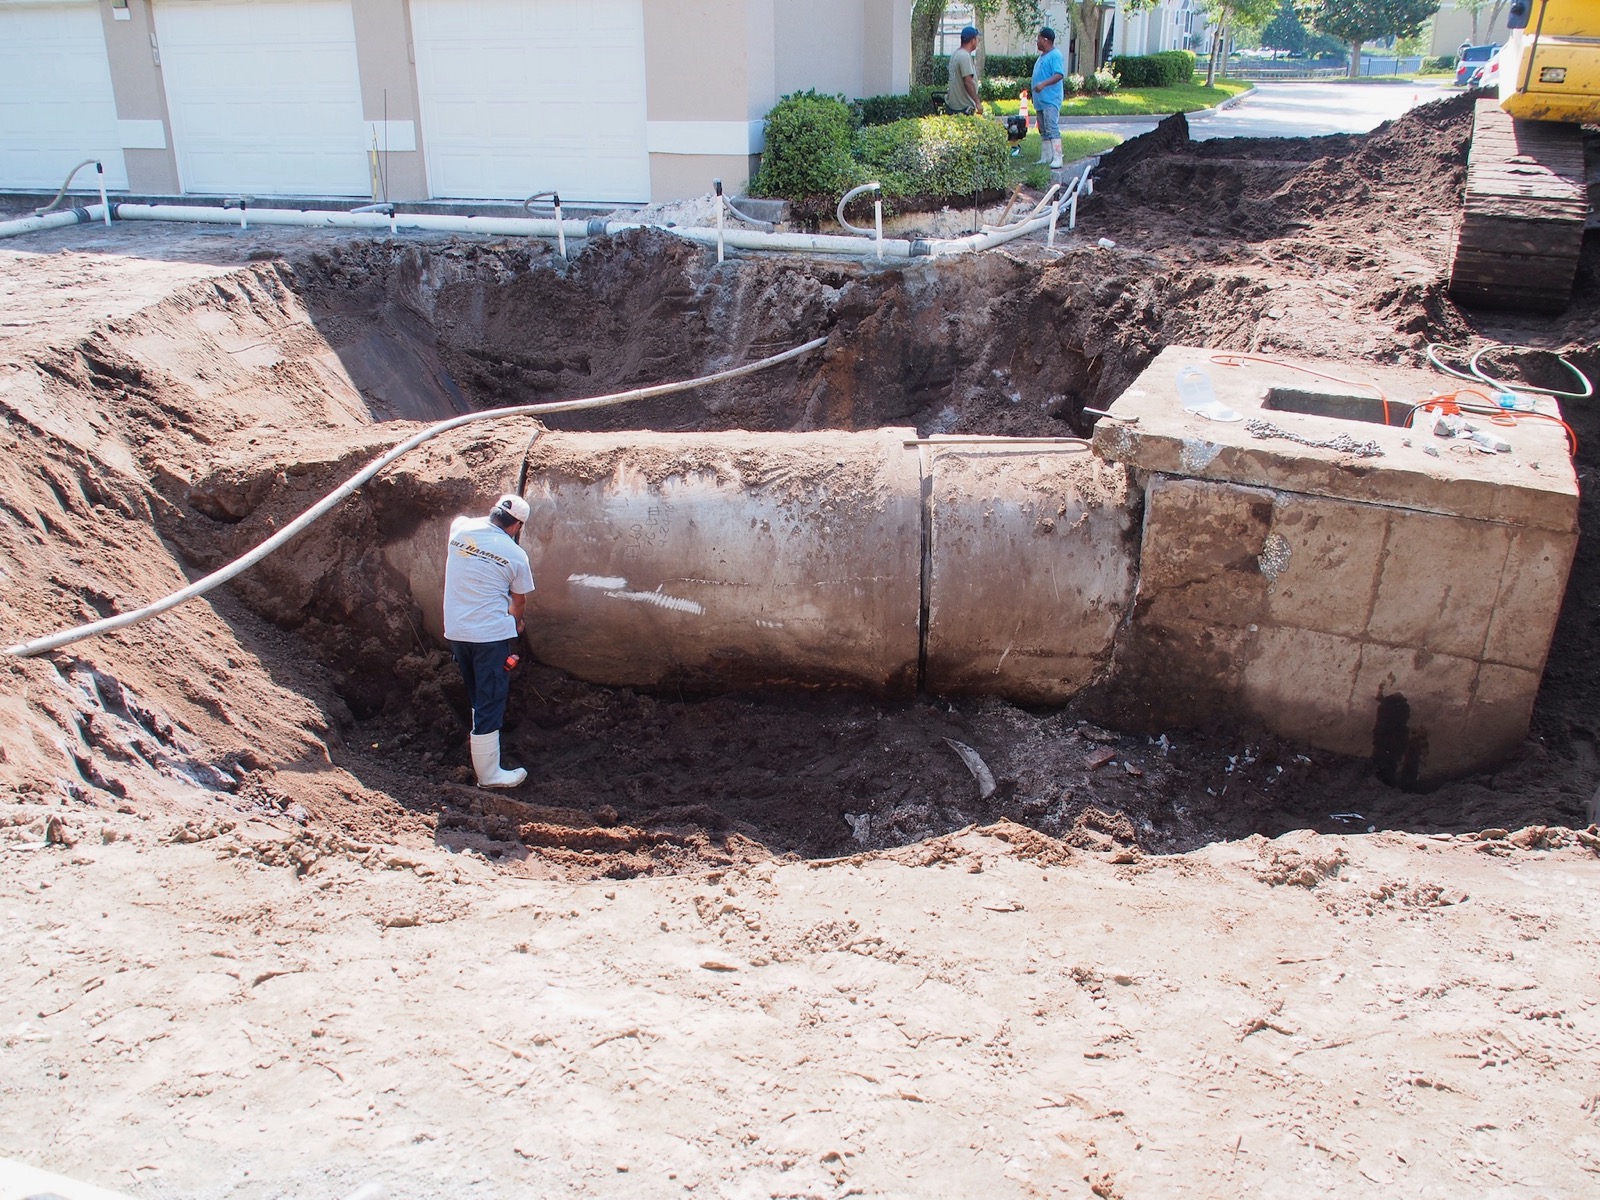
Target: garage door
{"x":56,"y":106}
{"x":521,"y":96}
{"x":264,"y":95}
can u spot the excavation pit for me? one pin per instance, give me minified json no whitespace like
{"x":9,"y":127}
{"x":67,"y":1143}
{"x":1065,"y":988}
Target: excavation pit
{"x":288,"y":360}
{"x":270,"y":939}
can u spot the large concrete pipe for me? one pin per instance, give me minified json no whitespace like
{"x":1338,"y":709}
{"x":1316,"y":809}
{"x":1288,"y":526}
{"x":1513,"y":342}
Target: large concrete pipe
{"x":1030,"y":568}
{"x":726,"y":560}
{"x":875,"y":561}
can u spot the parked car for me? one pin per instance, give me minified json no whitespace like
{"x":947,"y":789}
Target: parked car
{"x":1471,"y":63}
{"x":1487,"y":76}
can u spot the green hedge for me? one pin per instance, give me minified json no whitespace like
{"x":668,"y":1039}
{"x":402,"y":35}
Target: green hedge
{"x":934,"y":157}
{"x":883,"y":110}
{"x":993,"y":64}
{"x":1167,"y":69}
{"x":809,"y":139}
{"x":1445,"y":62}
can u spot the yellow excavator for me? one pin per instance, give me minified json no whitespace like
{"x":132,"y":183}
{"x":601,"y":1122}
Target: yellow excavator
{"x":1527,"y":193}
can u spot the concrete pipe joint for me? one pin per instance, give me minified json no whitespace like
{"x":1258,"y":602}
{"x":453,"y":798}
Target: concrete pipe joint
{"x":866,"y":560}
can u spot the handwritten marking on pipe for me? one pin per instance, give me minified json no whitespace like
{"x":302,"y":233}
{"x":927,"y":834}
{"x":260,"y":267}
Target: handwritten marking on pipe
{"x":661,"y":600}
{"x":616,"y":588}
{"x":608,"y":583}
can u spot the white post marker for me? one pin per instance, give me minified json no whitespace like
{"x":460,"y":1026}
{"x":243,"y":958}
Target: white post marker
{"x":877,"y":217}
{"x":100,"y":171}
{"x":716,"y":185}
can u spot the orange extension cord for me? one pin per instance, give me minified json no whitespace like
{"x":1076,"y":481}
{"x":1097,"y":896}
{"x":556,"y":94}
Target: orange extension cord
{"x":1448,"y":403}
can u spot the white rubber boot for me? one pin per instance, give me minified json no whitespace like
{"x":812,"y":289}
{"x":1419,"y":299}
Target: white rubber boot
{"x":1055,"y":159}
{"x":486,"y":762}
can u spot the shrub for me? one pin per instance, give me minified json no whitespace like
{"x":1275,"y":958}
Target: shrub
{"x":884,"y":110}
{"x":935,"y":158}
{"x":808,"y":148}
{"x":1018,"y":65}
{"x":1167,"y":69}
{"x":1074,"y":84}
{"x":1443,"y":64}
{"x":1003,"y":87}
{"x":1102,"y":83}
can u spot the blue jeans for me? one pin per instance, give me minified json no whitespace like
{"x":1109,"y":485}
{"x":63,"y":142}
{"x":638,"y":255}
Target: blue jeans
{"x":1049,"y":122}
{"x":483,"y":667}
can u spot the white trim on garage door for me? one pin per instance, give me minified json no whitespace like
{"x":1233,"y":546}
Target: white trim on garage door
{"x":264,"y":95}
{"x":523,"y":96}
{"x":56,"y":103}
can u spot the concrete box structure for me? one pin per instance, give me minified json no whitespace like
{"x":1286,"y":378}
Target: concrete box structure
{"x":605,"y":101}
{"x":1367,"y":588}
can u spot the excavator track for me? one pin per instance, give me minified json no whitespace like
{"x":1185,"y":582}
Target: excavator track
{"x":1522,"y":222}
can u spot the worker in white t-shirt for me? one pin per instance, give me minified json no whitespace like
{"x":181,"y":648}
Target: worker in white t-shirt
{"x":486,"y":586}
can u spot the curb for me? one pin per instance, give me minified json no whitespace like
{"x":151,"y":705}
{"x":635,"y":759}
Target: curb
{"x":1129,"y":118}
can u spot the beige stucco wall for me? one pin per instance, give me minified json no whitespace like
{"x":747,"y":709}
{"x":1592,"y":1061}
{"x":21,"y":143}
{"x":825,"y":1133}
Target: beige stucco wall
{"x":709,"y":78}
{"x":850,"y":47}
{"x":141,"y":96}
{"x":713,"y":69}
{"x":389,"y":90}
{"x":1452,"y":26}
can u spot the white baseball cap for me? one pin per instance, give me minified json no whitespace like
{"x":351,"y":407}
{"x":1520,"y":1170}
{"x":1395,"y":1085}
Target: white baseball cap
{"x":513,"y":506}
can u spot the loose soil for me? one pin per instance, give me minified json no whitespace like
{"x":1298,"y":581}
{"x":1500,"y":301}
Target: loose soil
{"x":326,"y":958}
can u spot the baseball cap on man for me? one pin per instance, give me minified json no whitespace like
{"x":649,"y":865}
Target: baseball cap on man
{"x":1048,"y":33}
{"x":514,"y":507}
{"x":969,"y":32}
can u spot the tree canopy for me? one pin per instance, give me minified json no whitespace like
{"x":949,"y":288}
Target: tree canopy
{"x":1358,"y":21}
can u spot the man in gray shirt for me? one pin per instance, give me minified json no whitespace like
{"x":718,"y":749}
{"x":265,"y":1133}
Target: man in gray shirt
{"x":963,"y":94}
{"x":486,"y":588}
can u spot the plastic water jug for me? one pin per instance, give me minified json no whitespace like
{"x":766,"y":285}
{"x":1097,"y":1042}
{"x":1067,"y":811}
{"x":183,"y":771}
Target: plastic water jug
{"x":1194,"y":388}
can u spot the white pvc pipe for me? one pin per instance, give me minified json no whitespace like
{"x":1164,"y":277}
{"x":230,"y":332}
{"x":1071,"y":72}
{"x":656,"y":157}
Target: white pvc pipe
{"x":813,"y":243}
{"x":974,"y":242}
{"x":329,"y":219}
{"x":308,"y":518}
{"x":67,"y":216}
{"x":738,"y":239}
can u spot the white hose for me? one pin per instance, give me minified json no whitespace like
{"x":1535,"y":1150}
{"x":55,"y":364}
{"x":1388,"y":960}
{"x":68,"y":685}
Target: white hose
{"x":844,"y":201}
{"x":71,"y":175}
{"x":306,"y":519}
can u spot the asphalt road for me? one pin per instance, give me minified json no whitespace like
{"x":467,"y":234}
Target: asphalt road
{"x":1307,"y":109}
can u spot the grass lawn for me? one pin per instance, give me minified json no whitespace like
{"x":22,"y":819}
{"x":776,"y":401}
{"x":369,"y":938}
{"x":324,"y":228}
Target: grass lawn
{"x":1136,"y":102}
{"x":1075,"y":144}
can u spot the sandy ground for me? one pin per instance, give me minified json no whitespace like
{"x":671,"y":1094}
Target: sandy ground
{"x":263,"y":942}
{"x":982,"y":1013}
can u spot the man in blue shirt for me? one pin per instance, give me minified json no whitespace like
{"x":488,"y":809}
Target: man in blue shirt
{"x":1049,"y":72}
{"x":486,"y":587}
